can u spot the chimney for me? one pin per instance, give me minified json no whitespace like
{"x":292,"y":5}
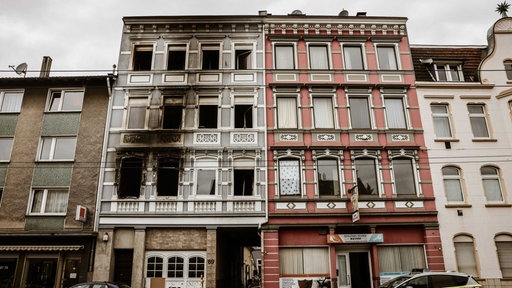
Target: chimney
{"x":46,"y":65}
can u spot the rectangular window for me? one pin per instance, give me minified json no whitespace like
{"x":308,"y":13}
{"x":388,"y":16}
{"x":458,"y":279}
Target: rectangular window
{"x":243,"y":182}
{"x":448,"y":72}
{"x":208,"y":112}
{"x":452,"y":184}
{"x":441,"y":118}
{"x":5,"y":148}
{"x":478,"y":120}
{"x":401,"y":258}
{"x":172,"y":113}
{"x":387,"y":58}
{"x":323,"y":112}
{"x":210,"y":56}
{"x":303,"y":261}
{"x":168,"y":176}
{"x":403,"y":171}
{"x":176,"y":57}
{"x":66,"y":101}
{"x":10,"y":102}
{"x":318,"y":57}
{"x":284,"y":57}
{"x":286,"y":112}
{"x":366,"y":175}
{"x":142,"y":58}
{"x":328,"y":177}
{"x":57,"y":148}
{"x":205,"y":182}
{"x":137,"y":113}
{"x":289,"y":177}
{"x":243,"y":56}
{"x":395,"y":113}
{"x":243,"y":116}
{"x":353,"y":56}
{"x":131,"y":177}
{"x":359,"y":113}
{"x":49,"y":201}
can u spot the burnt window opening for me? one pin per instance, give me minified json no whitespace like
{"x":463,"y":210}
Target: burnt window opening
{"x":176,"y":60}
{"x":243,"y":182}
{"x":243,"y":116}
{"x":142,"y":58}
{"x":130,"y":178}
{"x":243,"y":59}
{"x":208,"y":116}
{"x":210,"y":54}
{"x":173,"y":115}
{"x":168,"y":177}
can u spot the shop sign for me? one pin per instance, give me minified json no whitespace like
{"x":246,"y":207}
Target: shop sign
{"x":355,"y":238}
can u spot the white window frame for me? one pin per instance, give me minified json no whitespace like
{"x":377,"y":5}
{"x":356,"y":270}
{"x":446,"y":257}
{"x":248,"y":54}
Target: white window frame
{"x":44,"y":201}
{"x":363,"y":56}
{"x":377,"y":171}
{"x":210,"y":165}
{"x":414,"y":175}
{"x":404,"y":110}
{"x":328,"y":57}
{"x":294,"y":56}
{"x":299,"y":173}
{"x":457,"y":177}
{"x":186,"y":256}
{"x":136,"y":102}
{"x":6,"y":144}
{"x":395,"y":53}
{"x":334,"y":115}
{"x":447,"y":116}
{"x":176,"y":46}
{"x":476,"y":116}
{"x":63,"y":92}
{"x":369,"y":108}
{"x":496,"y":178}
{"x":301,"y":261}
{"x":2,"y":99}
{"x":298,"y":118}
{"x":447,"y":72}
{"x":53,"y":142}
{"x":338,"y":172}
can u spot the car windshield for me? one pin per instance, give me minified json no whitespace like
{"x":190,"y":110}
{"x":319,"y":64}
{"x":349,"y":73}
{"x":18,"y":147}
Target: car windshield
{"x":396,"y":281}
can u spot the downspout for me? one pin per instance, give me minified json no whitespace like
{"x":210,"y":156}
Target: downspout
{"x":104,"y":152}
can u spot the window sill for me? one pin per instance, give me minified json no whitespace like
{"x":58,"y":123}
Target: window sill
{"x":485,"y":140}
{"x":46,"y":215}
{"x":458,"y":205}
{"x":498,"y":205}
{"x":446,"y":140}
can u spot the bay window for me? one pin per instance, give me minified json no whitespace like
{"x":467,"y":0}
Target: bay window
{"x":130,"y":178}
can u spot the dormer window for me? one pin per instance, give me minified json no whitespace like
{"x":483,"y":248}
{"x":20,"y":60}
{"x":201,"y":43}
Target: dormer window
{"x":448,"y":72}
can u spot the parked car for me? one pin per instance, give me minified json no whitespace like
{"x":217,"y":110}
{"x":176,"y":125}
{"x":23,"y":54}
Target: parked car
{"x":99,"y":284}
{"x":393,"y":282}
{"x":439,"y":280}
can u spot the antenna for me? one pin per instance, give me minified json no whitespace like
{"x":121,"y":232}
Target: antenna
{"x":20,"y":69}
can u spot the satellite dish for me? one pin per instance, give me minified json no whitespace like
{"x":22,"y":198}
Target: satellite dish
{"x":20,"y":69}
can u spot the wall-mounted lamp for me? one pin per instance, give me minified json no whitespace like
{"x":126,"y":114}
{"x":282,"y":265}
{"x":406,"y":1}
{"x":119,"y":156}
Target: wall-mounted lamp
{"x":105,"y":237}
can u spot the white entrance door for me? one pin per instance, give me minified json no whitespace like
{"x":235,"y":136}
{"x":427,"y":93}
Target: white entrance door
{"x":343,"y":266}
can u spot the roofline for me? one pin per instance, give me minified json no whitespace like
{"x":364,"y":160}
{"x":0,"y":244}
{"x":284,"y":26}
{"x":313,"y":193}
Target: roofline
{"x":4,"y":80}
{"x":447,"y":46}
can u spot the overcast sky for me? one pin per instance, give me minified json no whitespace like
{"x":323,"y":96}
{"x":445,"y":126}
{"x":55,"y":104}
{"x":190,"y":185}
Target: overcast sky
{"x":85,"y":35}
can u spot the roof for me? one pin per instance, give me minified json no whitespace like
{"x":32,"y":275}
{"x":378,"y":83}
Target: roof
{"x":469,"y":56}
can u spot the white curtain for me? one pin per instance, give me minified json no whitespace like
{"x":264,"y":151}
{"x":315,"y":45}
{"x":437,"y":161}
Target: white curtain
{"x":65,"y":148}
{"x":442,"y":127}
{"x":37,"y":201}
{"x":465,"y":255}
{"x":318,"y":57}
{"x":453,"y":190}
{"x":56,"y":201}
{"x":353,"y":57}
{"x":137,"y":117}
{"x":401,"y":258}
{"x":395,"y":113}
{"x":284,"y":57}
{"x":322,"y":107}
{"x":287,"y":112}
{"x":387,"y":58}
{"x":359,"y":113}
{"x":300,"y":261}
{"x":316,"y":260}
{"x":492,"y":190}
{"x":5,"y":148}
{"x":505,"y":258}
{"x":12,"y":102}
{"x":291,"y":261}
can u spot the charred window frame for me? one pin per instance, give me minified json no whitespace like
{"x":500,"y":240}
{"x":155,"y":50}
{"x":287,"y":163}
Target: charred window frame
{"x":172,"y":113}
{"x":168,"y":175}
{"x":208,"y":111}
{"x":130,"y":177}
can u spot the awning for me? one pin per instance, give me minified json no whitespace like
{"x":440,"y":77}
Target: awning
{"x":41,"y":248}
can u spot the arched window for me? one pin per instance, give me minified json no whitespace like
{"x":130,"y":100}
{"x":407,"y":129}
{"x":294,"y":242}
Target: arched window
{"x":491,"y":183}
{"x":504,"y":250}
{"x":452,"y":184}
{"x":465,"y":254}
{"x":154,"y":267}
{"x":175,"y":267}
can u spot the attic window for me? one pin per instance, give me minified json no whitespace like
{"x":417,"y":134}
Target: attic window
{"x":448,"y":72}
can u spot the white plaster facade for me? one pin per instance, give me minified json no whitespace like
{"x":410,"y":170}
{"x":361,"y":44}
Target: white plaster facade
{"x":475,"y":218}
